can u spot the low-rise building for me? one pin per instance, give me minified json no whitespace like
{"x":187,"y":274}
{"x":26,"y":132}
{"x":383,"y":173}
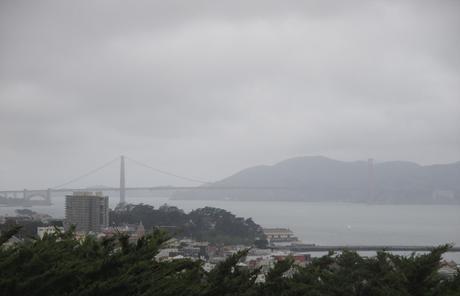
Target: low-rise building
{"x":41,"y":231}
{"x":134,"y":231}
{"x":11,"y":242}
{"x":299,"y":259}
{"x":190,"y":252}
{"x":166,"y":254}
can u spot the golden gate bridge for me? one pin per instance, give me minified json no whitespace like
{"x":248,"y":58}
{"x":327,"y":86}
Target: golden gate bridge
{"x":31,"y":197}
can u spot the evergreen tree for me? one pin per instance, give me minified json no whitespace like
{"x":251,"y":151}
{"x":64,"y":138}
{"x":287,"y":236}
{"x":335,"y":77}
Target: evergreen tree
{"x":59,"y":264}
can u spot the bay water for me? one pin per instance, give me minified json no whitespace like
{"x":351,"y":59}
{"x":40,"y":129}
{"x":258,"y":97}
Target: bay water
{"x":325,"y":223}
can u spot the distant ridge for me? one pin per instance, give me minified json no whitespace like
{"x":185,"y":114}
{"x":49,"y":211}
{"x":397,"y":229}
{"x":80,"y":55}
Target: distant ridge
{"x":318,"y":178}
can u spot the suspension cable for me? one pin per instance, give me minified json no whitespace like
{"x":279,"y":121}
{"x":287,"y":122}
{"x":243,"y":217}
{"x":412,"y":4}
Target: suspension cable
{"x":86,"y":174}
{"x":168,"y":173}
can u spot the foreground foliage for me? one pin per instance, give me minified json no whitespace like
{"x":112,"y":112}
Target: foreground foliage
{"x":58,"y":264}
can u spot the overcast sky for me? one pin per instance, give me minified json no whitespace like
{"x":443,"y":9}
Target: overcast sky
{"x":206,"y":88}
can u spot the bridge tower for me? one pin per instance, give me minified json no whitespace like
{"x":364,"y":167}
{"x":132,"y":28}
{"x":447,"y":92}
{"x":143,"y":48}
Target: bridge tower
{"x":122,"y":181}
{"x":370,"y":180}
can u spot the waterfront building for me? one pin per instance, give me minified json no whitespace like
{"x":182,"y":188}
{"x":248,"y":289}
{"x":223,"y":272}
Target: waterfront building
{"x":280,"y":236}
{"x":88,"y":211}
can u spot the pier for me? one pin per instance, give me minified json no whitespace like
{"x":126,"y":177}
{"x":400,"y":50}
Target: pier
{"x":393,"y":248}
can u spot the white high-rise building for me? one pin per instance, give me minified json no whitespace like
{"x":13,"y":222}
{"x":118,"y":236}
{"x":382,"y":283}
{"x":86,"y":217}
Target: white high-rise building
{"x":88,"y":211}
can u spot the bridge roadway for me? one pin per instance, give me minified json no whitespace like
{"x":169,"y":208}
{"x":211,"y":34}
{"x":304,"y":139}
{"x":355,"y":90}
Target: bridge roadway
{"x":151,"y":188}
{"x":174,"y":188}
{"x":29,"y":197}
{"x":395,"y":248}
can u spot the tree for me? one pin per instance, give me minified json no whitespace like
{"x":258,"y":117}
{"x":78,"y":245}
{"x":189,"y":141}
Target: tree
{"x":59,"y":264}
{"x":206,"y":224}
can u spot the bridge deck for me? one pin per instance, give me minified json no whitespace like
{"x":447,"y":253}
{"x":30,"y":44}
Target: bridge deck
{"x":154,"y":188}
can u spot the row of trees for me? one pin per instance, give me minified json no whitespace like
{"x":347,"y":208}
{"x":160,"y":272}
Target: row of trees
{"x":59,"y":264}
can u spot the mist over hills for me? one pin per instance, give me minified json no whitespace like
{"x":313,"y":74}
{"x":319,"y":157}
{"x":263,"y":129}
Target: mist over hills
{"x":317,"y":178}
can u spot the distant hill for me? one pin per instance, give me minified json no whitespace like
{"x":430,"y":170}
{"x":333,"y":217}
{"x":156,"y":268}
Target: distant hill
{"x":317,"y":178}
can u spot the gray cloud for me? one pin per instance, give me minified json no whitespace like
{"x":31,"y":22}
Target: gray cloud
{"x":206,"y":88}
